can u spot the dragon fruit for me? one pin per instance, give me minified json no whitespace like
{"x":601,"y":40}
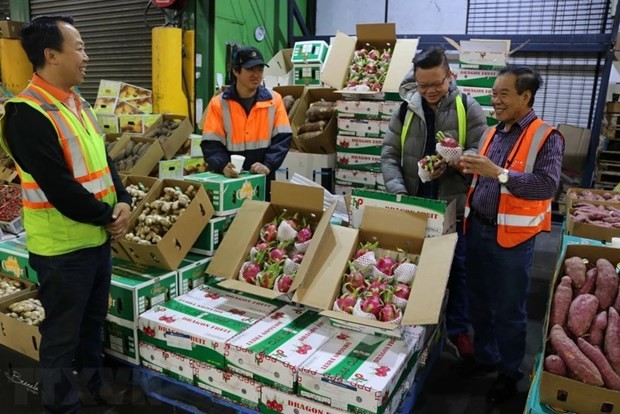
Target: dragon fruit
{"x":279,"y":253}
{"x":297,"y":257}
{"x":269,"y":232}
{"x":284,"y":282}
{"x":346,"y":302}
{"x":249,"y":271}
{"x":386,"y":265}
{"x":402,"y":291}
{"x":372,"y":304}
{"x":378,"y":285}
{"x":389,"y":313}
{"x":287,"y":229}
{"x":365,"y":248}
{"x":355,"y":278}
{"x":267,"y":277}
{"x":304,"y":234}
{"x":448,"y":147}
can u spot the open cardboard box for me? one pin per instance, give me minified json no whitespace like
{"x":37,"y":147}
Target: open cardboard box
{"x":175,"y":244}
{"x":26,"y":286}
{"x":393,"y":230}
{"x":589,"y":231}
{"x":147,"y":162}
{"x":325,"y":143}
{"x":16,"y":334}
{"x":296,"y":91}
{"x":380,"y":35}
{"x":180,"y":134}
{"x":575,"y":191}
{"x":566,"y":393}
{"x":280,"y":70}
{"x":244,"y":233}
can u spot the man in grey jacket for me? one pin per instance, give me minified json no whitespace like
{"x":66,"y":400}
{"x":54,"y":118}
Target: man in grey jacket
{"x":430,"y":95}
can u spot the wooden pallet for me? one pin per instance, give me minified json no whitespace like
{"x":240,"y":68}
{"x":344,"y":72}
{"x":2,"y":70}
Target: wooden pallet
{"x":609,"y":156}
{"x":603,"y":166}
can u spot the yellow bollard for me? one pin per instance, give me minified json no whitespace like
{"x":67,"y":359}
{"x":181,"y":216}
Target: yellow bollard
{"x":189,"y":70}
{"x":168,"y":96}
{"x":14,"y":65}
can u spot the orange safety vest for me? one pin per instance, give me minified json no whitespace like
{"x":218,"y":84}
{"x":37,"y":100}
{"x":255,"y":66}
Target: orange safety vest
{"x":227,"y":122}
{"x":518,"y":219}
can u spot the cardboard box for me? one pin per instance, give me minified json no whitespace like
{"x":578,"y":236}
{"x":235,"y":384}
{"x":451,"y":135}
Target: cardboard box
{"x":359,"y":109}
{"x":120,"y":98}
{"x":272,"y":350}
{"x":109,"y":123}
{"x":172,"y":143}
{"x":175,"y":244}
{"x":476,"y":77}
{"x":576,"y":146}
{"x":356,"y":178}
{"x":310,"y":51}
{"x":481,"y":95}
{"x":195,"y":149}
{"x":393,"y":230}
{"x":20,"y":390}
{"x":356,"y":161}
{"x":279,"y":72}
{"x":441,"y":215}
{"x":211,"y":237}
{"x":172,"y":169}
{"x":192,"y":272}
{"x":147,"y":163}
{"x":343,"y":190}
{"x":120,"y":339}
{"x":229,"y":386}
{"x":170,"y":364}
{"x":18,"y":335}
{"x":324,"y":143}
{"x":194,"y":165}
{"x":360,"y":128}
{"x":573,"y":192}
{"x":308,"y":74}
{"x":199,"y":323}
{"x":361,"y":145}
{"x":312,"y":166}
{"x":589,"y":231}
{"x":612,"y":107}
{"x":14,"y":259}
{"x":483,"y":54}
{"x":382,"y":35}
{"x":355,"y":372}
{"x":228,"y":194}
{"x":11,"y":202}
{"x":136,"y":124}
{"x":22,"y":285}
{"x":135,"y":289}
{"x":565,"y":393}
{"x":296,"y":91}
{"x":244,"y":233}
{"x":10,"y":29}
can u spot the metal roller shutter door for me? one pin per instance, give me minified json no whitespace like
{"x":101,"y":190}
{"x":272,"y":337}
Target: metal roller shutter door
{"x":118,"y":42}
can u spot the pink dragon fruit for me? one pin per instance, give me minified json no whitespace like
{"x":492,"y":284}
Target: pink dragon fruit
{"x":386,"y":265}
{"x":269,"y":232}
{"x":304,"y":235}
{"x":284,"y":282}
{"x":378,"y":285}
{"x":355,"y":278}
{"x":279,"y":253}
{"x":374,"y":54}
{"x":371,"y":304}
{"x":297,"y":257}
{"x":346,"y":302}
{"x":365,"y":248}
{"x":402,"y":291}
{"x":249,"y":271}
{"x":267,"y":277}
{"x":389,"y":313}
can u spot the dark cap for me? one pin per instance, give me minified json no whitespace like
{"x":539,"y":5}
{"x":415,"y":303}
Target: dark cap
{"x":248,"y":57}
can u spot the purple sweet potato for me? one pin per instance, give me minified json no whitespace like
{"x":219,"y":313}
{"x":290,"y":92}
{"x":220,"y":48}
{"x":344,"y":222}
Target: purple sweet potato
{"x":562,"y":298}
{"x":575,"y":360}
{"x":594,"y":354}
{"x":606,"y":283}
{"x":616,"y":304}
{"x":596,"y":333}
{"x":612,"y":340}
{"x":581,"y":313}
{"x":555,"y":365}
{"x":575,"y":268}
{"x":588,"y":286}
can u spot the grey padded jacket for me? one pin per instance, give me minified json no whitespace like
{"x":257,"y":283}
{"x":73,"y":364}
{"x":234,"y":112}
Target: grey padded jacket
{"x":404,"y":179}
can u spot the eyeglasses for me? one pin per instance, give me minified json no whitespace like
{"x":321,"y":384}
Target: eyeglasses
{"x":434,"y":86}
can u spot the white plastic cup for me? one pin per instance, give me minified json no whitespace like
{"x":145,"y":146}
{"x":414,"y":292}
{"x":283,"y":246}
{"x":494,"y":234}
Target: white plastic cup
{"x":237,"y":161}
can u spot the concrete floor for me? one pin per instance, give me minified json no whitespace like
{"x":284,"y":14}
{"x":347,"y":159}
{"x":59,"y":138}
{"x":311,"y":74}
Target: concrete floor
{"x":447,"y":393}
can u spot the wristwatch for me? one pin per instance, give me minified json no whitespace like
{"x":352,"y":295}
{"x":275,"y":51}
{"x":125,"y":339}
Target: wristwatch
{"x":503,"y":177}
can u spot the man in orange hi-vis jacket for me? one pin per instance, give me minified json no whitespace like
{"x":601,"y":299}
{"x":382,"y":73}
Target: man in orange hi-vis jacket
{"x":246,"y":119}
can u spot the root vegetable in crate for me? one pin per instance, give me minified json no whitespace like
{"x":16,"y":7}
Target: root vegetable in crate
{"x":137,"y":193}
{"x":369,"y":69}
{"x":160,"y":215}
{"x":28,"y":311}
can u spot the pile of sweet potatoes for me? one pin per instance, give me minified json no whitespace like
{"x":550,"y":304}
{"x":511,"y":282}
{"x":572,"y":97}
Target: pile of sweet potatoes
{"x":590,"y":196}
{"x":602,"y":216}
{"x":584,"y":340}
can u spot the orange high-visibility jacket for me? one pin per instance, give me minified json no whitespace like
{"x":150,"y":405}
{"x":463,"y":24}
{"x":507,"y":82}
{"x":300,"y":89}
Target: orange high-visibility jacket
{"x":519,"y":219}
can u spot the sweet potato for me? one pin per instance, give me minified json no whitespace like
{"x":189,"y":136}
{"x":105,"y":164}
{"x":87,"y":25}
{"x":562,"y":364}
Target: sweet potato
{"x":612,"y":340}
{"x":596,"y":333}
{"x":562,"y":298}
{"x":319,"y":112}
{"x":312,"y":127}
{"x":575,"y":360}
{"x":581,"y":313}
{"x":555,"y":365}
{"x":616,"y":304}
{"x":610,"y":378}
{"x":606,"y":283}
{"x":588,"y":286}
{"x":309,"y":135}
{"x":288,"y":101}
{"x":575,"y":268}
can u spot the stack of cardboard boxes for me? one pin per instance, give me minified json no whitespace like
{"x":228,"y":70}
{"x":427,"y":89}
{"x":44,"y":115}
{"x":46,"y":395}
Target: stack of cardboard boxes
{"x":308,"y":58}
